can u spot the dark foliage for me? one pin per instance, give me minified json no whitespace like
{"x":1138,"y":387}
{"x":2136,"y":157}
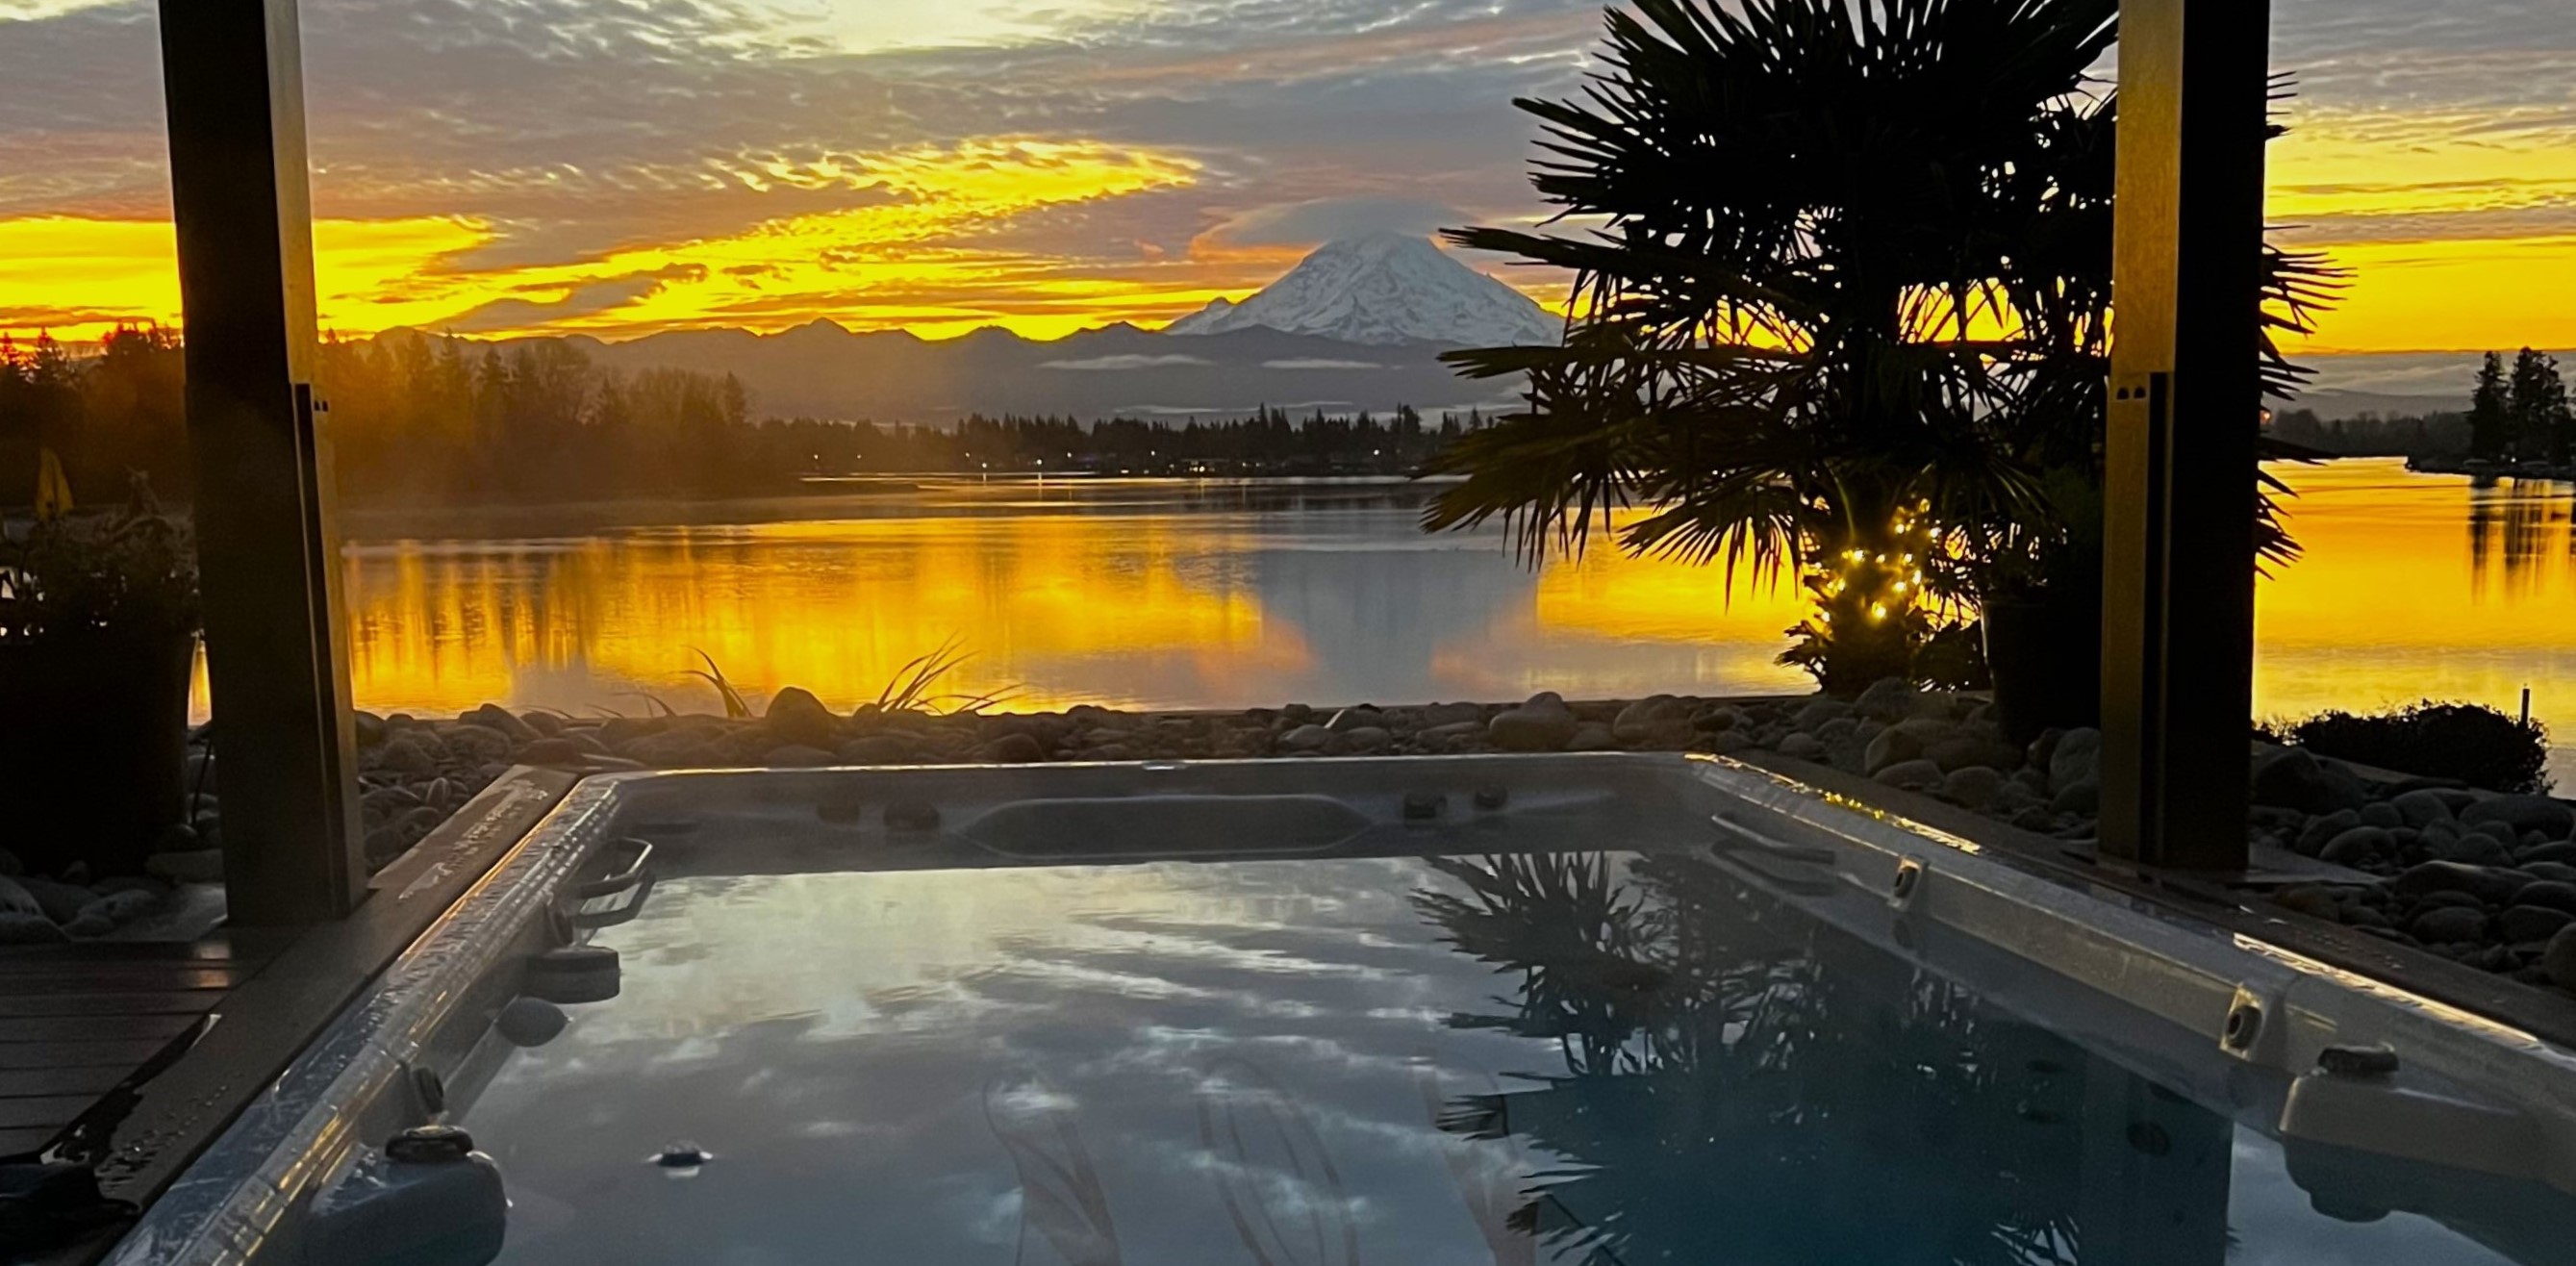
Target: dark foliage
{"x":129,"y":574}
{"x":420,"y":420}
{"x":1848,"y":314}
{"x":2477,"y":745}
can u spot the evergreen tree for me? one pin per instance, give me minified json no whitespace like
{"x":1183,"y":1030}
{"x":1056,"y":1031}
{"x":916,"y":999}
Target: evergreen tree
{"x":2489,"y":417}
{"x":2536,"y":402}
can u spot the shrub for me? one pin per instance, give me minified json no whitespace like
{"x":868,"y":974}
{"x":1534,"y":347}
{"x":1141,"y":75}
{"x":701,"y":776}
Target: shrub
{"x":2477,"y":745}
{"x":132,"y":572}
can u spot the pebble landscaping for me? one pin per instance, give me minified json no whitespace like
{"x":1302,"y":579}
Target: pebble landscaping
{"x":2483,"y":879}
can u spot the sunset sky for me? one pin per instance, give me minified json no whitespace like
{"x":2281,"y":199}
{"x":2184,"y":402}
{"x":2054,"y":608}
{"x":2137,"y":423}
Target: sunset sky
{"x":504,"y":166}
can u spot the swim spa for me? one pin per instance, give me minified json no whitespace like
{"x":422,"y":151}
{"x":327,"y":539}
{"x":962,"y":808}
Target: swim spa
{"x":1570,"y":1009}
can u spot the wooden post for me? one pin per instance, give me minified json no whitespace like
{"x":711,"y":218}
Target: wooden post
{"x":2186,"y":399}
{"x":267,"y":545}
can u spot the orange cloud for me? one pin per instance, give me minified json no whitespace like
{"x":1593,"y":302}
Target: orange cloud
{"x":909,"y":257}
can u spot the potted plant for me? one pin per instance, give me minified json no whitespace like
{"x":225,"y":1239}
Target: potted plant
{"x":98,"y":628}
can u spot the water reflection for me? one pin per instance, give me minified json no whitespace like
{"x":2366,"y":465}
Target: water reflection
{"x":2417,"y":586}
{"x":1215,"y":594}
{"x":1584,"y":1058}
{"x":1735,"y":1072}
{"x":1161,"y":594}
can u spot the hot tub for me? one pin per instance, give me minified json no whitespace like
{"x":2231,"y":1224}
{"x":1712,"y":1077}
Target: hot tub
{"x":1568,"y":1009}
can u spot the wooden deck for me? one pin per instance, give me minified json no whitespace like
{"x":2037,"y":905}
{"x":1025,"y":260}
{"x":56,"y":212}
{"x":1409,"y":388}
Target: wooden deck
{"x":214,"y":1021}
{"x":77,"y":1019}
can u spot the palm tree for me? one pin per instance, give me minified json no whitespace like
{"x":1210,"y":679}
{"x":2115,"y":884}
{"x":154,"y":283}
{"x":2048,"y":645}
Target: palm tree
{"x":1846,"y":314}
{"x":1789,"y":329}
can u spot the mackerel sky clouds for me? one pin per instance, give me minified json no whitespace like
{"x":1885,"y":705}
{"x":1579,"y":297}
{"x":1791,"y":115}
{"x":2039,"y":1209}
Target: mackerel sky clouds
{"x":619,"y":167}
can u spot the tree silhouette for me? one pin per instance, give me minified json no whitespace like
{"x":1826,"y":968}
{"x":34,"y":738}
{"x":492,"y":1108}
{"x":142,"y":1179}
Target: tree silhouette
{"x":1738,"y":1074}
{"x":2490,"y":413}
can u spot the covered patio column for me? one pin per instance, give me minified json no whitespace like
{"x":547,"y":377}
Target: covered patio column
{"x":2178,"y":593}
{"x":268,"y":548}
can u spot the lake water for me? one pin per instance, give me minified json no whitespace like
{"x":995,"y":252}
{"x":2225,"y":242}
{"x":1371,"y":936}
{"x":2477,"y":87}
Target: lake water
{"x":1193,"y":594}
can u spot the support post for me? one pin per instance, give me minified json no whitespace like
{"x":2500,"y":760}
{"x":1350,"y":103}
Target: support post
{"x":267,"y":544}
{"x":2186,"y":399}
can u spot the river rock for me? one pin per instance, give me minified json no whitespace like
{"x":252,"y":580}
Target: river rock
{"x":2320,"y":831}
{"x":668,"y":749}
{"x":2445,"y":925}
{"x":2422,"y":807}
{"x":2076,"y":758}
{"x":502,"y":721}
{"x":1307,"y":738}
{"x":2549,"y":893}
{"x":1360,"y":718}
{"x":2475,"y":847}
{"x":1975,"y":786}
{"x":1904,"y":741}
{"x":551,"y":751}
{"x":2552,"y":818}
{"x":2559,"y":960}
{"x":369,"y":727}
{"x":2356,"y":845}
{"x":2381,"y":814}
{"x":1803,"y":746}
{"x":2293,"y":778}
{"x":1887,"y":699}
{"x":15,"y":899}
{"x":406,"y":754}
{"x":1374,"y":738}
{"x":875,"y":749}
{"x":1592,"y":736}
{"x":478,"y":743}
{"x":2486,"y":883}
{"x":1544,"y":724}
{"x":2521,"y":925}
{"x":2081,"y":797}
{"x":1648,"y":716}
{"x":796,"y":718}
{"x":1816,"y":712}
{"x":1012,"y":749}
{"x":1718,"y":720}
{"x":1440,"y":714}
{"x":1965,"y":749}
{"x":2563,"y":853}
{"x":1910,"y":774}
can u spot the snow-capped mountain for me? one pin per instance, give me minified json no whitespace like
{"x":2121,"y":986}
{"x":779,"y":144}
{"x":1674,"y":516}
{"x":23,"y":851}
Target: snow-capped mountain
{"x":1384,"y":289}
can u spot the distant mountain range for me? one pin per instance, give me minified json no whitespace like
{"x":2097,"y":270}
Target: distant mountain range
{"x":822,"y":370}
{"x":1358,"y":324}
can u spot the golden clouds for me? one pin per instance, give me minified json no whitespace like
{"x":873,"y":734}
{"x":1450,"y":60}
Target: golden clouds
{"x":915,"y":250}
{"x":2455,"y":239}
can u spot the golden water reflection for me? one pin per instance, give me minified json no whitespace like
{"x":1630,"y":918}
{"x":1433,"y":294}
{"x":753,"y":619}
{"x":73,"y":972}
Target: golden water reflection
{"x":2420,"y":586}
{"x":1152,"y":594}
{"x":1213,"y":594}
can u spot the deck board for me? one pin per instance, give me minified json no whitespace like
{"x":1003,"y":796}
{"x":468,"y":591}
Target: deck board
{"x":78,"y":1019}
{"x":92,"y":1028}
{"x":28,"y":1082}
{"x":41,"y":1112}
{"x":139,"y":1002}
{"x":115,"y":1054}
